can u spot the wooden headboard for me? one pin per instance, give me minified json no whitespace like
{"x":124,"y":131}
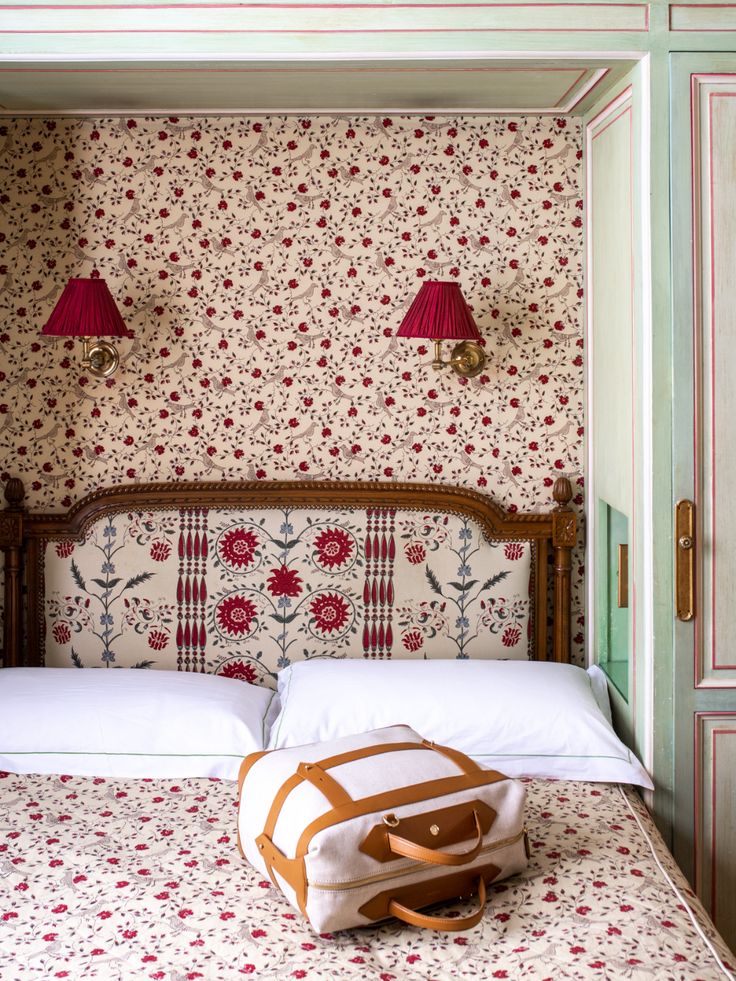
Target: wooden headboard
{"x":371,"y":544}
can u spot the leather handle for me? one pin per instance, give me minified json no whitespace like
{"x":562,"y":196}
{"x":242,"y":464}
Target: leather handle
{"x":410,"y":849}
{"x":449,"y":923}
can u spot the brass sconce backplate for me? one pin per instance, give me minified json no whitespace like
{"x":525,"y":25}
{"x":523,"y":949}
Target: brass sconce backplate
{"x":468,"y":359}
{"x":99,"y":357}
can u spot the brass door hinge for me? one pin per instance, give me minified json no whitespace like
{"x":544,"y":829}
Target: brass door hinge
{"x":685,"y":560}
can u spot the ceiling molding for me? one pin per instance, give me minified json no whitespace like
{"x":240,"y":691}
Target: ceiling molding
{"x":418,"y":88}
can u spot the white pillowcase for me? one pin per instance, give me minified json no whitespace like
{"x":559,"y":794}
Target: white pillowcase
{"x":525,"y":718}
{"x":128,"y":723}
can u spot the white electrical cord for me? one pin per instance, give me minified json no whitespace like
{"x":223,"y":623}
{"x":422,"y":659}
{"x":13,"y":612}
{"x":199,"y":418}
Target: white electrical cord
{"x":683,"y":900}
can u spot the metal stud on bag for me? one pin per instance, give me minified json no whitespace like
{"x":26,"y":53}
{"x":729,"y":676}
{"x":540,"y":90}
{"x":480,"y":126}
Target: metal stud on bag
{"x":390,"y":820}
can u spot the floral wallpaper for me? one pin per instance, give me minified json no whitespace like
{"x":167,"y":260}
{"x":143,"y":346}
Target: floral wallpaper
{"x":263,"y":267}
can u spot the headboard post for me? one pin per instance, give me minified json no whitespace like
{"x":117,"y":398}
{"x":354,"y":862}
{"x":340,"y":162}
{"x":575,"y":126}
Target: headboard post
{"x":564,"y":533}
{"x":11,"y":541}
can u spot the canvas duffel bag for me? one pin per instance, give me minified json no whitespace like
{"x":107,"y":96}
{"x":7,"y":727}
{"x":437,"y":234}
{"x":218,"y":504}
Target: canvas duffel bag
{"x":377,"y":825}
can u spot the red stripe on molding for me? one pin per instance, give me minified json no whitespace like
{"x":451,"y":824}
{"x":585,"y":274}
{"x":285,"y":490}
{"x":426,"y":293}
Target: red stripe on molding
{"x":577,"y":81}
{"x":586,"y":91}
{"x":700,"y":719}
{"x":615,"y":119}
{"x":712,"y":327}
{"x":699,"y":6}
{"x":602,"y":114}
{"x":323,"y":6}
{"x":371,"y":30}
{"x":712,"y":330}
{"x":340,"y":6}
{"x":714,"y":808}
{"x":697,"y":352}
{"x":696,"y":80}
{"x":305,"y":68}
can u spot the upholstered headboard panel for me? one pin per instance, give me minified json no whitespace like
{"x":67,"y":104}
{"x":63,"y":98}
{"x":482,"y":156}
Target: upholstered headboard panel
{"x":245,"y":579}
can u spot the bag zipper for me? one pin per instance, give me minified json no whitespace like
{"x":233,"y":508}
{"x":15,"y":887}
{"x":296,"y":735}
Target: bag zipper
{"x":406,"y":868}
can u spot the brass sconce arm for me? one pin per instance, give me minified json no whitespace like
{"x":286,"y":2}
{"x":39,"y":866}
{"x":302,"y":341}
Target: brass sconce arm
{"x":99,"y":357}
{"x":467,"y":358}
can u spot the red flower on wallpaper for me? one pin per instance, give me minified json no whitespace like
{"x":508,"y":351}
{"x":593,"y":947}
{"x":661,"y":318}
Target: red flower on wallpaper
{"x":62,"y":633}
{"x":415,"y":552}
{"x":160,"y":551}
{"x":238,"y":547}
{"x":64,"y":549}
{"x":284,"y":582}
{"x":158,"y":639}
{"x":511,"y":636}
{"x":412,"y":640}
{"x":330,"y":612}
{"x":241,"y":670}
{"x":235,"y":614}
{"x":513,"y":550}
{"x":334,"y":547}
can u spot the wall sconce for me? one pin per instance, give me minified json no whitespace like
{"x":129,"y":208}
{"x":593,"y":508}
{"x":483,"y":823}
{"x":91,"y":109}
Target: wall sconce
{"x":439,"y":312}
{"x":86,"y":309}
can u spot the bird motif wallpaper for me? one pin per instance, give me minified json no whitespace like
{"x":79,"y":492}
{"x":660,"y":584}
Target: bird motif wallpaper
{"x":263,"y":266}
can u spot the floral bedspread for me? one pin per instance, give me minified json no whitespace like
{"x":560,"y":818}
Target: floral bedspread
{"x":128,"y":880}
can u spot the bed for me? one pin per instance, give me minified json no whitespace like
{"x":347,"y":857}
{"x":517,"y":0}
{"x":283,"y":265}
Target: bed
{"x":104,"y":877}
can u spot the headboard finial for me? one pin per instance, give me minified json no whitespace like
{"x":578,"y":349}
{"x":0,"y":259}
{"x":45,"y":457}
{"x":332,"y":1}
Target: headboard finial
{"x":14,"y":493}
{"x":562,"y":492}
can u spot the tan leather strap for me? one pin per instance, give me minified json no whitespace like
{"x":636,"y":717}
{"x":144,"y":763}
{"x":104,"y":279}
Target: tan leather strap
{"x":365,"y":751}
{"x":332,"y":790}
{"x":410,"y":849}
{"x":296,"y":778}
{"x":449,"y":923}
{"x":391,"y":799}
{"x":290,"y":869}
{"x":273,"y":815}
{"x":278,"y":802}
{"x":459,"y":759}
{"x":242,"y":774}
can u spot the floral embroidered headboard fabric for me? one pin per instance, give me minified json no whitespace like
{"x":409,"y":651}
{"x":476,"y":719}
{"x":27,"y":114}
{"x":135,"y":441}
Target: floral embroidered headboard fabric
{"x":244,"y":593}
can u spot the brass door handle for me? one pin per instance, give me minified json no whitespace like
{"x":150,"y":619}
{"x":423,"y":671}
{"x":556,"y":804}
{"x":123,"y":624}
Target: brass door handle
{"x":685,"y":560}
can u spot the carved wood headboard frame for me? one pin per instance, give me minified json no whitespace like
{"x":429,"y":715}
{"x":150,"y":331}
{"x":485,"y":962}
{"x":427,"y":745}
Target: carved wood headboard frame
{"x":23,"y":533}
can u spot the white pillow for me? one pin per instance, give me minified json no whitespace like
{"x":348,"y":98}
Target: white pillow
{"x":128,"y":723}
{"x":599,"y":687}
{"x":525,"y":718}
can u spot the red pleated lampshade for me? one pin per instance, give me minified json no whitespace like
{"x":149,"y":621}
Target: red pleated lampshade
{"x":439,"y":311}
{"x":86,"y":309}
